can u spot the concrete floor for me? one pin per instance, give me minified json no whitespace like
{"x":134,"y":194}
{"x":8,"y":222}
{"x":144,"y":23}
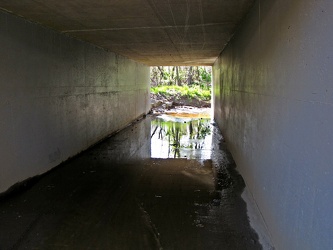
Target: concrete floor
{"x":114,"y":196}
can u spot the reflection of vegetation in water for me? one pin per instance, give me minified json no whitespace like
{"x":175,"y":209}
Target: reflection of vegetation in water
{"x":188,"y":134}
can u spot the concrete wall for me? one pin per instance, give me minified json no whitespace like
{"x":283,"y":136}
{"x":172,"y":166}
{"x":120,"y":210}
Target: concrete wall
{"x":273,"y":94}
{"x":58,"y":96}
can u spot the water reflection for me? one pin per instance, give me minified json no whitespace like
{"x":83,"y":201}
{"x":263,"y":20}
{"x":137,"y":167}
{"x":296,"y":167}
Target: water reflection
{"x":122,"y":200}
{"x":176,"y":137}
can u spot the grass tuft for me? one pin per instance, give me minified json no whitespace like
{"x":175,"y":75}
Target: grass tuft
{"x":193,"y":92}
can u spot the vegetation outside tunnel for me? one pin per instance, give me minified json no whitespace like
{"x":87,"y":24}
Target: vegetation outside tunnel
{"x":192,"y":82}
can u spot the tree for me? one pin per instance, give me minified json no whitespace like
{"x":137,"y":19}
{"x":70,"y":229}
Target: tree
{"x":181,"y":75}
{"x":177,"y":76}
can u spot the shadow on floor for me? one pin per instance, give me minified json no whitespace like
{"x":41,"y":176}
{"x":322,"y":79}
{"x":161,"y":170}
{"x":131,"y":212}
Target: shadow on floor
{"x":115,"y":196}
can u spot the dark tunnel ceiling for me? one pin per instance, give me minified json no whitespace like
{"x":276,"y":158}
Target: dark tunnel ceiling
{"x":154,"y":32}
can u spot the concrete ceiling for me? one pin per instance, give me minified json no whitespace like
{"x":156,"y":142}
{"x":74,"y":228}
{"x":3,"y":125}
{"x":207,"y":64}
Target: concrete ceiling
{"x":154,"y":32}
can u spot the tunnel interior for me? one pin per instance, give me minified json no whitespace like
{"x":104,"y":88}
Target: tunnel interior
{"x":74,"y":73}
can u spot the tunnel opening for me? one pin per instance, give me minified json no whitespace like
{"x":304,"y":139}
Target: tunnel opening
{"x":181,"y":100}
{"x":174,"y":87}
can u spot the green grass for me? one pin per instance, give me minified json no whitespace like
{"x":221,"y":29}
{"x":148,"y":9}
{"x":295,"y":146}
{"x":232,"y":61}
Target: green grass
{"x":194,"y":92}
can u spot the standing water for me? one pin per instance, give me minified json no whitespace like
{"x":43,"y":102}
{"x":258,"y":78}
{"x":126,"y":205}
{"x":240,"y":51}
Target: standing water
{"x":181,"y":137}
{"x":166,"y":182}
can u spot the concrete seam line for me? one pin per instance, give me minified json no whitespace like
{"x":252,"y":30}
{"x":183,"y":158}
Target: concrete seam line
{"x":147,"y":27}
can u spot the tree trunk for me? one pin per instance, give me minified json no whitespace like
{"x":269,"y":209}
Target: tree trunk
{"x":162,"y":73}
{"x":177,"y":76}
{"x":198,"y":73}
{"x":173,"y":74}
{"x":190,"y":76}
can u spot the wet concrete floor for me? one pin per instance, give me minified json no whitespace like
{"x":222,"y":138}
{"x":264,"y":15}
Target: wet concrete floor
{"x":117,"y":196}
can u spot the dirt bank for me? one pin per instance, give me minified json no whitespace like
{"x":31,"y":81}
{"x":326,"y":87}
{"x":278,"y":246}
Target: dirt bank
{"x":161,"y":103}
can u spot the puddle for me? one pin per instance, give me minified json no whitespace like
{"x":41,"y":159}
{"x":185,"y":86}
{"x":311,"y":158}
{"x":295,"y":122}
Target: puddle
{"x":182,"y":133}
{"x":117,"y":195}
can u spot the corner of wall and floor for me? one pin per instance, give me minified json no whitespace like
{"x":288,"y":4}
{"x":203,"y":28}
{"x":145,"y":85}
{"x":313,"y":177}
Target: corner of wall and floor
{"x":58,"y":96}
{"x":273,"y":98}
